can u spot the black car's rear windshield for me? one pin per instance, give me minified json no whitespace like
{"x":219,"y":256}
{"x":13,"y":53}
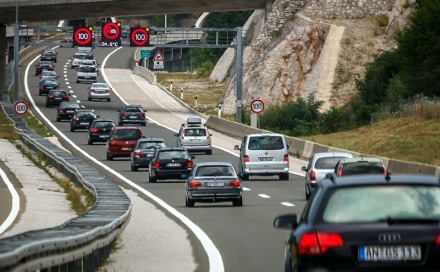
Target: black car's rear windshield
{"x":172,"y":154}
{"x":104,"y":124}
{"x":380,"y":203}
{"x":212,"y":171}
{"x":132,"y":109}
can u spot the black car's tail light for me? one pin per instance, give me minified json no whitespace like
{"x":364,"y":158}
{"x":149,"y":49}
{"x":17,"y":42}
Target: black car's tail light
{"x":50,"y":97}
{"x":60,"y":111}
{"x":189,"y":164}
{"x":156,"y":165}
{"x":137,"y":152}
{"x":235,"y":183}
{"x":316,"y":243}
{"x":41,"y":87}
{"x":195,"y":184}
{"x":437,"y":240}
{"x":94,"y":130}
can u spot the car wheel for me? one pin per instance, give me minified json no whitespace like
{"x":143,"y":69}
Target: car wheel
{"x":77,"y":81}
{"x":109,"y":157}
{"x":89,"y":99}
{"x":152,"y":179}
{"x":189,"y":202}
{"x":72,"y":129}
{"x":47,"y":105}
{"x":237,"y":203}
{"x":209,"y":152}
{"x":58,"y":119}
{"x":134,"y":168}
{"x":90,"y":142}
{"x":40,"y":93}
{"x":284,"y":176}
{"x":245,"y":177}
{"x":108,"y":100}
{"x":307,"y":192}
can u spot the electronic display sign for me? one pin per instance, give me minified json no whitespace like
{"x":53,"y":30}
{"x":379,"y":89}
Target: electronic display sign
{"x":82,"y":36}
{"x":139,"y":36}
{"x":111,"y":34}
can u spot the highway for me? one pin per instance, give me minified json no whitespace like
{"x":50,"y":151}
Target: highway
{"x":244,"y":235}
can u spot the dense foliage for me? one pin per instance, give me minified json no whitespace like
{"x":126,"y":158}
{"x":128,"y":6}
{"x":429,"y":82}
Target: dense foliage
{"x":412,"y":69}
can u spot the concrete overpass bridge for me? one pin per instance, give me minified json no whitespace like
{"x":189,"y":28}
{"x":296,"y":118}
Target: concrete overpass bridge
{"x":52,"y":10}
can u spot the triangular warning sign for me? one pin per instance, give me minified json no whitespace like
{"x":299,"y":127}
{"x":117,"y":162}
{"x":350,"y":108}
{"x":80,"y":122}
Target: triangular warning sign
{"x":158,"y":56}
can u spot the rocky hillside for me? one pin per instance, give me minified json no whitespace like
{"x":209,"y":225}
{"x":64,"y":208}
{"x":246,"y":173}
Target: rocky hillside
{"x":312,"y":47}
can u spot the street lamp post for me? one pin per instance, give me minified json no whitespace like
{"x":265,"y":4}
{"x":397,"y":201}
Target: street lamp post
{"x":16,"y":49}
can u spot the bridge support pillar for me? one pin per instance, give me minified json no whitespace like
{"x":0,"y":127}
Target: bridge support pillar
{"x":3,"y":51}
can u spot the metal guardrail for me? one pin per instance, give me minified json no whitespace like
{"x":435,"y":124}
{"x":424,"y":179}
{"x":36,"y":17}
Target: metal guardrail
{"x":80,"y":244}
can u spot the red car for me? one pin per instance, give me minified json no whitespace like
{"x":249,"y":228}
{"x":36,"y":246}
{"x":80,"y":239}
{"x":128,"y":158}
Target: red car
{"x":122,"y":141}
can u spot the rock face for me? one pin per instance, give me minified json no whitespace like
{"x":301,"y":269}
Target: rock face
{"x":285,"y":61}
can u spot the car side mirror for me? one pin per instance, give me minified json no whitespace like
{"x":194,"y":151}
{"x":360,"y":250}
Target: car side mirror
{"x":288,"y":221}
{"x":236,"y":147}
{"x":304,"y":169}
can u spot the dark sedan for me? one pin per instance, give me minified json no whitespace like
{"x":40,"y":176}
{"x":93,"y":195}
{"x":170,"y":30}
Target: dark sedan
{"x":144,"y":152}
{"x":82,"y":119}
{"x":66,"y":109}
{"x":55,"y":97}
{"x":213,"y":182}
{"x":43,"y":65}
{"x":49,"y":55}
{"x":170,"y":163}
{"x":47,"y":85}
{"x":367,"y":223}
{"x":131,"y":114}
{"x":99,"y":130}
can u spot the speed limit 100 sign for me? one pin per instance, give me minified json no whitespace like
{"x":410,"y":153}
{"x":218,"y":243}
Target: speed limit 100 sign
{"x":257,"y":106}
{"x":20,"y":107}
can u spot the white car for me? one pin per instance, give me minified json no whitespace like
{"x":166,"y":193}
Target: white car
{"x":99,"y":91}
{"x":86,"y":73}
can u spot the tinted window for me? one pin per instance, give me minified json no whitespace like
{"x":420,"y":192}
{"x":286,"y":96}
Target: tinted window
{"x":132,"y":110}
{"x":327,"y":162}
{"x":104,"y":124}
{"x":127,"y":134}
{"x":87,"y":69}
{"x":212,"y":171}
{"x":377,"y":203}
{"x":360,"y":168}
{"x":195,"y":132}
{"x":148,"y":145}
{"x":172,"y":154}
{"x":265,"y":143}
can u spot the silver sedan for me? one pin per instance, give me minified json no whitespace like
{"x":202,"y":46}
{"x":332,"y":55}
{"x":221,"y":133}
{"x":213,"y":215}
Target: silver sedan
{"x":100,"y":91}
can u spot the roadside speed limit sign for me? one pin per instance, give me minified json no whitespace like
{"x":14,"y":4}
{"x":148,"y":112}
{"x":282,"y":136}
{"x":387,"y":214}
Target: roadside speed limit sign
{"x":257,"y":106}
{"x":20,"y":107}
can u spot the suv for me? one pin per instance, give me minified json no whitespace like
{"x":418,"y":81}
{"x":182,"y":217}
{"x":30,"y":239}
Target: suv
{"x":170,"y":163}
{"x":366,"y":223}
{"x":132,"y":114}
{"x":144,"y":152}
{"x":86,"y":73}
{"x":82,"y":119}
{"x":122,"y":140}
{"x":360,"y":166}
{"x":319,"y":165}
{"x":264,"y":155}
{"x":194,"y":136}
{"x":99,"y":130}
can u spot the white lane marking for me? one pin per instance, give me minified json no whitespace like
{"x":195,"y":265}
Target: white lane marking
{"x":67,"y":82}
{"x":65,"y":75}
{"x":15,"y":203}
{"x":74,"y":96}
{"x":214,"y":256}
{"x":70,"y":87}
{"x":288,"y":204}
{"x":79,"y":101}
{"x":263,"y":196}
{"x":246,"y":189}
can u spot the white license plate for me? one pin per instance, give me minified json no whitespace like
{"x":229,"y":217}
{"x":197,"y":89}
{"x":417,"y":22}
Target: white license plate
{"x":69,"y":111}
{"x":150,"y":155}
{"x":173,"y":164}
{"x":214,"y":184}
{"x":103,"y":136}
{"x":84,"y":124}
{"x":57,"y":98}
{"x":195,"y":140}
{"x":133,"y":117}
{"x":390,"y":253}
{"x":266,"y":158}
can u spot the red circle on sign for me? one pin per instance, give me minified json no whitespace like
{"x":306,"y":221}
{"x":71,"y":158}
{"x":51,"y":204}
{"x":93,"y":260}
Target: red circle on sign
{"x":139,"y":31}
{"x":257,"y":106}
{"x":87,"y":38}
{"x":107,"y":30}
{"x":21,"y":107}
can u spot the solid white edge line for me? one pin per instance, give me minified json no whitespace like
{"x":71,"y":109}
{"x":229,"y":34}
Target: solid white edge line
{"x":263,"y":196}
{"x":15,"y":203}
{"x":288,"y":204}
{"x":214,"y":256}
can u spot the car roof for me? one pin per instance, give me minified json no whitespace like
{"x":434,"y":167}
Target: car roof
{"x":172,"y":148}
{"x":264,"y":134}
{"x":379,"y":179}
{"x":126,"y":127}
{"x":332,"y":154}
{"x":360,"y":159}
{"x":214,"y":163}
{"x":104,"y":120}
{"x":151,"y":139}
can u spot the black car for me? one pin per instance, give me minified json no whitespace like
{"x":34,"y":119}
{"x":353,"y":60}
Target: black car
{"x":49,"y":55}
{"x":43,"y":65}
{"x":170,"y":163}
{"x":99,"y":130}
{"x":55,"y":97}
{"x":82,"y":119}
{"x":132,"y":114}
{"x":66,"y":109}
{"x":47,"y":85}
{"x":367,"y":223}
{"x":144,"y":152}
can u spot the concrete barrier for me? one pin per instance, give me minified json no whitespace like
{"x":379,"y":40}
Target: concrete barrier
{"x":305,"y":149}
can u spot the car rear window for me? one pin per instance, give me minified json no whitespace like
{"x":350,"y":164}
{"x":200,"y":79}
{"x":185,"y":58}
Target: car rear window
{"x":265,"y":143}
{"x":364,"y":204}
{"x":212,"y":171}
{"x":87,"y":69}
{"x":361,"y":168}
{"x":132,"y":109}
{"x":127,"y":134}
{"x":104,"y":124}
{"x":148,"y":145}
{"x":195,"y":132}
{"x":172,"y":154}
{"x":327,"y":162}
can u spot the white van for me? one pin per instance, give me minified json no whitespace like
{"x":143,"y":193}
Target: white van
{"x":86,"y":73}
{"x":264,"y":155}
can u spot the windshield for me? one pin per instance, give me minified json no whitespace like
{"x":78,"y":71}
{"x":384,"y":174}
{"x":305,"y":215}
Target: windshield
{"x":168,"y":155}
{"x":212,"y":171}
{"x":327,"y":162}
{"x":266,"y":143}
{"x":149,"y":145}
{"x":379,"y":203}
